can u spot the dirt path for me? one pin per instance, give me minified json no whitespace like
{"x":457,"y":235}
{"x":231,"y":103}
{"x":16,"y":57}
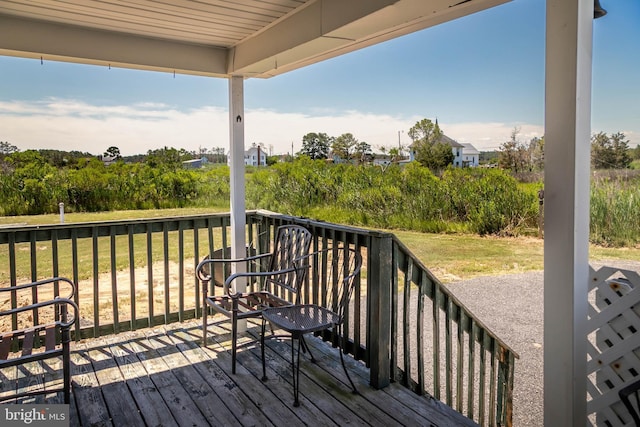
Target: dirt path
{"x":512,"y":306}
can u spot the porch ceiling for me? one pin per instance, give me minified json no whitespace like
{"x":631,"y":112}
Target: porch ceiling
{"x":251,"y":38}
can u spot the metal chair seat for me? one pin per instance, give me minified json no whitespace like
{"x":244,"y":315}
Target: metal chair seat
{"x":337,"y":271}
{"x":250,"y":304}
{"x":301,"y":319}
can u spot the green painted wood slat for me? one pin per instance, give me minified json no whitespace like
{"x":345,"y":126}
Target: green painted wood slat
{"x":114,"y":281}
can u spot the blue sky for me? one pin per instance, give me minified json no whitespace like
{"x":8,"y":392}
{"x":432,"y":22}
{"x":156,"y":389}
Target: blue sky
{"x":480,"y":76}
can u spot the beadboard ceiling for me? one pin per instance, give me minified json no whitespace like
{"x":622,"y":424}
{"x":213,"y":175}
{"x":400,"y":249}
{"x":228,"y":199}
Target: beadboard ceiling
{"x":251,"y":38}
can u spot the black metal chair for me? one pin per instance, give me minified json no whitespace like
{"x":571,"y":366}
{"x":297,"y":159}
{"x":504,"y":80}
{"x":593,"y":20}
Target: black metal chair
{"x":633,"y":405}
{"x":50,"y":317}
{"x":277,"y":283}
{"x":335,"y":271}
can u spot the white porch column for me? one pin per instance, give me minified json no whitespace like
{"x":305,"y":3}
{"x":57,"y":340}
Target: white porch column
{"x":566,"y":244}
{"x":236,"y":140}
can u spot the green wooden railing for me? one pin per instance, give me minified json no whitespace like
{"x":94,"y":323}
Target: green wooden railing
{"x":440,"y":348}
{"x":403,"y":323}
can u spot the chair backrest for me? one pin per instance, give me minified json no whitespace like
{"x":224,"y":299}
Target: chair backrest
{"x":291,"y":243}
{"x":333,"y":279}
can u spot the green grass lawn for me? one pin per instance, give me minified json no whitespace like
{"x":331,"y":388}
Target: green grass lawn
{"x":70,"y":218}
{"x":450,"y":257}
{"x":464,"y":256}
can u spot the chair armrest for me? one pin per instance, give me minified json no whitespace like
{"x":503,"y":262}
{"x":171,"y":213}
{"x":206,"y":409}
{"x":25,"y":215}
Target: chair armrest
{"x":57,"y":301}
{"x":204,"y":276}
{"x":230,"y":279}
{"x":72,"y":286}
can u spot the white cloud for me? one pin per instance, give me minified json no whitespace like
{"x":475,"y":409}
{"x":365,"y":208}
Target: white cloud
{"x":75,"y":125}
{"x":632,"y":137}
{"x":489,"y":136}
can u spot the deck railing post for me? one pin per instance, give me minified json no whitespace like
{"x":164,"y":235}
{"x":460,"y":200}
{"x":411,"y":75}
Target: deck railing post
{"x":379,"y":280}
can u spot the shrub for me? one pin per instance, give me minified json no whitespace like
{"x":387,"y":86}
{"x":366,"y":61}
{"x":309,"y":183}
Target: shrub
{"x":615,"y":212}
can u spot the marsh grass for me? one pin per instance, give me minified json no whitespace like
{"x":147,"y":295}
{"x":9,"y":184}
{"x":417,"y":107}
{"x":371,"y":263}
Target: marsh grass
{"x":615,"y":211}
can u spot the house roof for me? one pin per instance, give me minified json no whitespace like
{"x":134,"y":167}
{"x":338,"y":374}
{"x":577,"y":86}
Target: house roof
{"x":251,"y":38}
{"x":469,"y":149}
{"x":444,"y":139}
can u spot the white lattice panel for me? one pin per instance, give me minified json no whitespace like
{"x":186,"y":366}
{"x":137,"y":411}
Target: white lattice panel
{"x":614,"y":343}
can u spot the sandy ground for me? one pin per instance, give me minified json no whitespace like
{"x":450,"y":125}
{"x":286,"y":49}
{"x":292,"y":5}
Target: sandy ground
{"x":105,"y":287}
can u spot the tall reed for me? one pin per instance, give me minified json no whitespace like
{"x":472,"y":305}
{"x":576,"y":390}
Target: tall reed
{"x":615,"y":212}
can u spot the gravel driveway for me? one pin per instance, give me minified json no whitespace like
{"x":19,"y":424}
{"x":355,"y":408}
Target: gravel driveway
{"x":512,"y":307}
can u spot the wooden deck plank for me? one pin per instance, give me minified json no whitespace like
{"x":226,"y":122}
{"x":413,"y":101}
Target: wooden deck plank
{"x":48,"y":375}
{"x":259,"y":393}
{"x":31,"y":378}
{"x":120,"y":402}
{"x":177,"y":399}
{"x":91,"y":406}
{"x":403,"y":399}
{"x":318,"y":399}
{"x":53,"y":378}
{"x":316,"y":407}
{"x":8,"y":383}
{"x":150,"y":403}
{"x":314,"y":373}
{"x":308,"y":412}
{"x":206,"y":395}
{"x":173,"y":380}
{"x":238,"y":403}
{"x":200,"y":391}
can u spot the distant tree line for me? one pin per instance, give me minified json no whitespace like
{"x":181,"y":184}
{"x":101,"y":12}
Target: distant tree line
{"x":426,"y":143}
{"x":344,"y":148}
{"x":34,"y":182}
{"x":607,"y":152}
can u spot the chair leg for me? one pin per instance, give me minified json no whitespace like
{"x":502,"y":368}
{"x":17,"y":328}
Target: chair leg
{"x":262,"y":332}
{"x":205,"y":312}
{"x":205,"y":309}
{"x":295,"y":368}
{"x":234,"y":338}
{"x":66,"y":367}
{"x":354,"y":390}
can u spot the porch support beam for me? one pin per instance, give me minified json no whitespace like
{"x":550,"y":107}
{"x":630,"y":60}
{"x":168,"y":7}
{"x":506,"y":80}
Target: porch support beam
{"x":236,"y":151}
{"x":58,"y":42}
{"x":566,"y":244}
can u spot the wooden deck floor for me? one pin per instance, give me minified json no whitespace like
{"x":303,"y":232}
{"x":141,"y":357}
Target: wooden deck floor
{"x":163,"y":377}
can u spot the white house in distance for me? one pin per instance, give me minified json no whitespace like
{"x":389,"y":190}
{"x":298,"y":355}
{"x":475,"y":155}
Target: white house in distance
{"x":456,"y":148}
{"x":470,"y":156}
{"x":254,"y":156}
